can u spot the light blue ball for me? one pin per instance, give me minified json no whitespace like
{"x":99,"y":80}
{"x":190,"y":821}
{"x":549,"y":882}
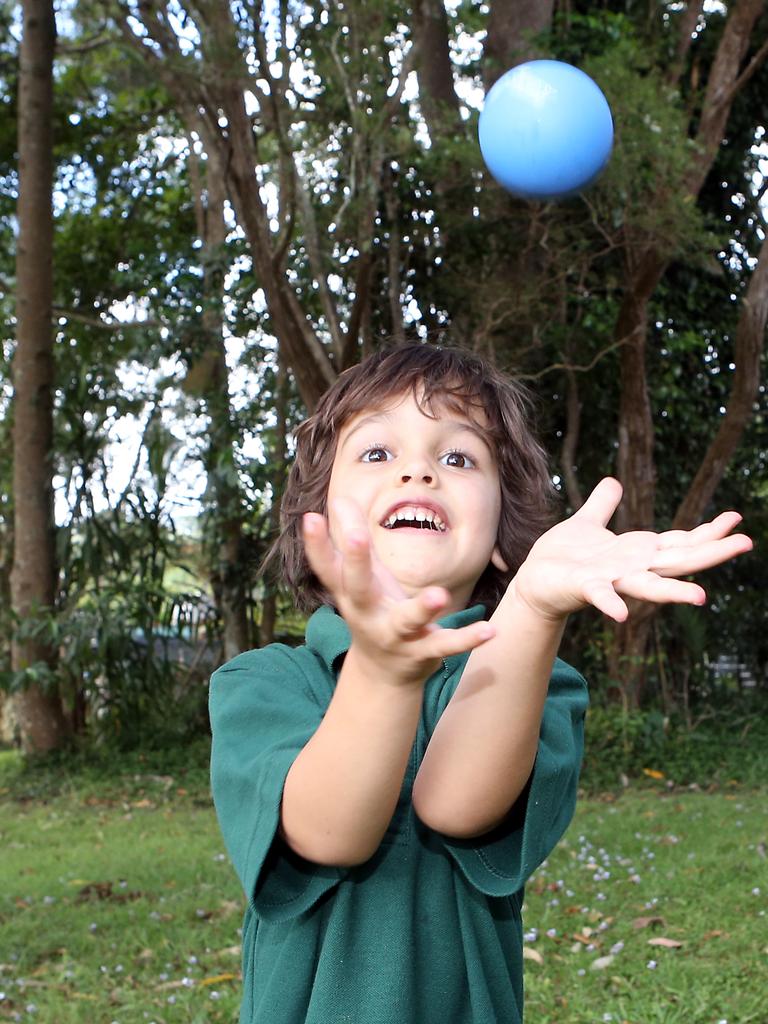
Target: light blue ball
{"x":546,"y":130}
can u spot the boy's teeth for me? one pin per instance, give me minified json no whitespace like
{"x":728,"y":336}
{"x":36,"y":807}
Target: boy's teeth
{"x":416,"y":515}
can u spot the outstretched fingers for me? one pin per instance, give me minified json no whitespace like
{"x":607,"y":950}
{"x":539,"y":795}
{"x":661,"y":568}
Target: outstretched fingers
{"x":717,"y":528}
{"x":600,"y":593}
{"x":416,"y":615}
{"x":683,"y":559}
{"x":339,"y":551}
{"x":442,"y":643}
{"x":414,"y":620}
{"x":321,"y":554}
{"x":649,"y":586}
{"x":602,"y":502}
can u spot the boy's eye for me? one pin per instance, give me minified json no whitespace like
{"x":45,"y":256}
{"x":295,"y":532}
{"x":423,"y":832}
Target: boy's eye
{"x":377,"y":453}
{"x":459,"y":460}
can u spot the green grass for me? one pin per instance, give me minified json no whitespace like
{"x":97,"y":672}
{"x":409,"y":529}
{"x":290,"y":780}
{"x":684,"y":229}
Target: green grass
{"x":117,"y":904}
{"x":694,"y":862}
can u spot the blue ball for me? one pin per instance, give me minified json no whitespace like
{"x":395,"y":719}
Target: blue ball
{"x":546,"y":130}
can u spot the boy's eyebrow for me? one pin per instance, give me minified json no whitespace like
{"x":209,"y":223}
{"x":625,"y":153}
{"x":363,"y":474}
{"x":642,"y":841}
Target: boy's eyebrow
{"x":373,"y":418}
{"x":455,"y":425}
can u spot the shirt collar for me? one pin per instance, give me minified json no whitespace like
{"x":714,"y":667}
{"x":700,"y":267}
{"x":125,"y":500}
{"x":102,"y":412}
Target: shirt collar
{"x":329,"y":637}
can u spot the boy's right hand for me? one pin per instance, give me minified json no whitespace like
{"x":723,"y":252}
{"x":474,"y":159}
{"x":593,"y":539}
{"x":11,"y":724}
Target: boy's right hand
{"x":393,"y":632}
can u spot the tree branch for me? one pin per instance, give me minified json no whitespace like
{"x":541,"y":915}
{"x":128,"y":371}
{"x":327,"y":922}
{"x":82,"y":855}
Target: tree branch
{"x":104,"y":325}
{"x":749,"y":345}
{"x":571,"y":441}
{"x":574,"y":368}
{"x":689,"y":19}
{"x":723,"y":84}
{"x":75,"y":49}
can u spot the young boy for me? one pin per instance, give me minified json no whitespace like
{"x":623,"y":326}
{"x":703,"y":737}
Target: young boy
{"x":386,"y":789}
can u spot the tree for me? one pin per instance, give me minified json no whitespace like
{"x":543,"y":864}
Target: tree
{"x":344,"y":138}
{"x":646,"y":259}
{"x":209,"y":370}
{"x":38,"y":707}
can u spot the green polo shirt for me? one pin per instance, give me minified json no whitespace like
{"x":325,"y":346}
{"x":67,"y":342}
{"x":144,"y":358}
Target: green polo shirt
{"x":427,"y":931}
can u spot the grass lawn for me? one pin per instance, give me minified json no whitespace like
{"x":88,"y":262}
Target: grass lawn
{"x":117,"y":904}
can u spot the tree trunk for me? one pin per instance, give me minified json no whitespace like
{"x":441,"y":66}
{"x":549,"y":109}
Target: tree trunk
{"x":512,"y":27}
{"x":214,"y":106}
{"x":635,"y":462}
{"x":278,"y":458}
{"x":749,"y":346}
{"x":228,"y":578}
{"x":38,"y":708}
{"x":437,"y":95}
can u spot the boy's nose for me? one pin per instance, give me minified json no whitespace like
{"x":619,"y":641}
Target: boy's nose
{"x":417,"y":467}
{"x":425,"y":476}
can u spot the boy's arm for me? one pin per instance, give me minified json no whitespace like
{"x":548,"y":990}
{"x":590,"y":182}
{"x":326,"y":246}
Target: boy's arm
{"x":484,"y":746}
{"x":342,"y":789}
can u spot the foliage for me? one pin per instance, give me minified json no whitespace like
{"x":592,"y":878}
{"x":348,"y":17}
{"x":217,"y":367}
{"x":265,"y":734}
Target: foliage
{"x":726,"y":741}
{"x":349,"y":169}
{"x":132,"y":648}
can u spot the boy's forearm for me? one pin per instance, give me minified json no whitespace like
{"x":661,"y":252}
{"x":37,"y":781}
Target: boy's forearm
{"x":342,"y":789}
{"x":483,"y":748}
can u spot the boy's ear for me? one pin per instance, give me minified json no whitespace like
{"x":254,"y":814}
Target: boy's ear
{"x":498,"y":561}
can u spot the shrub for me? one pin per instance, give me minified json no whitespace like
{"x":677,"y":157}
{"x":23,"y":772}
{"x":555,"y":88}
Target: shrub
{"x":725,"y":742}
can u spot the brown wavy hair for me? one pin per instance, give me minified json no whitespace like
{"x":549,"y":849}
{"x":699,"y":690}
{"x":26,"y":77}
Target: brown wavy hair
{"x":436,"y":376}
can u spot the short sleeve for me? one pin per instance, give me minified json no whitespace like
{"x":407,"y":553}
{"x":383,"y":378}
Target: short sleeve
{"x":499,"y":863}
{"x":263,"y":711}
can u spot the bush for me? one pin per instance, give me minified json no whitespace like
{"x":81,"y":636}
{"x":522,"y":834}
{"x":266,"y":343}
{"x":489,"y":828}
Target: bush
{"x":725,"y":743}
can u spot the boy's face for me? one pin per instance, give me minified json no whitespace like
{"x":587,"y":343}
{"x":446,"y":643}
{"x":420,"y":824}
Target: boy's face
{"x":428,"y":490}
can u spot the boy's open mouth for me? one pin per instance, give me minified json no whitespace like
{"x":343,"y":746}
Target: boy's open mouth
{"x":416,"y":516}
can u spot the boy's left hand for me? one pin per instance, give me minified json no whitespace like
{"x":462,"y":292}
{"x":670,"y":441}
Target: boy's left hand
{"x":580,"y":562}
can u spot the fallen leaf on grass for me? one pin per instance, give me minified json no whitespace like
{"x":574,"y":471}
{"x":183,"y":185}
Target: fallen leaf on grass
{"x":229,"y":951}
{"x":602,"y":962}
{"x":714,"y":934}
{"x":532,"y":954}
{"x":666,"y":943}
{"x":216,"y":978}
{"x":645,"y":922}
{"x":104,"y":891}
